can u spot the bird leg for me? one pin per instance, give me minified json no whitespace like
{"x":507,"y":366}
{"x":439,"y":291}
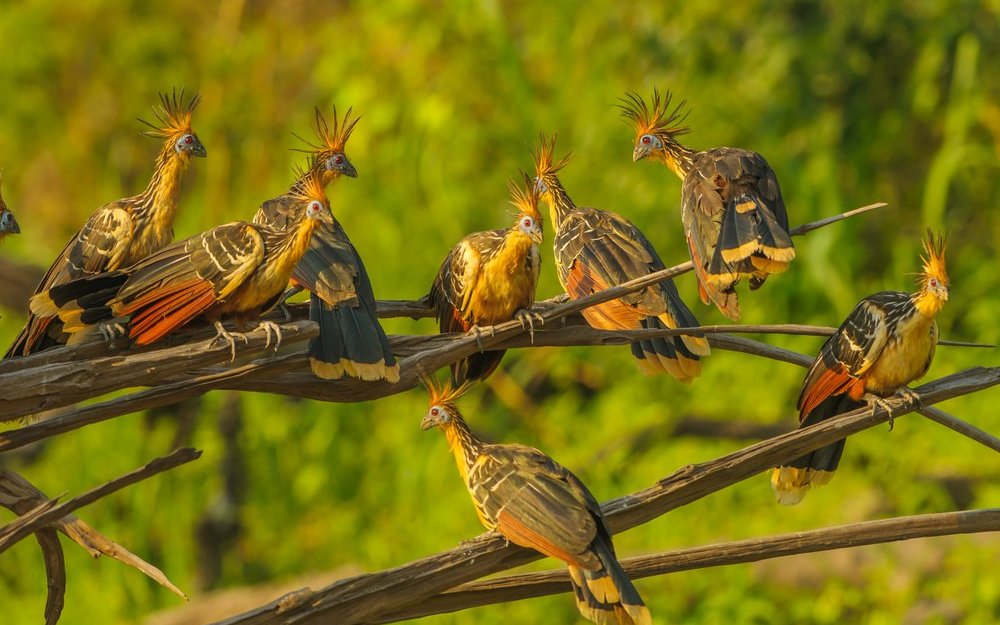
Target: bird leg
{"x":477,"y":332}
{"x":879,"y":402}
{"x":528,"y":318}
{"x":111,"y":331}
{"x":290,"y":293}
{"x":269,"y":328}
{"x":228,"y":337}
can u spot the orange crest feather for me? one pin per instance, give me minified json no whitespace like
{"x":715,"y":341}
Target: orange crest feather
{"x":331,"y":139}
{"x":311,"y":185}
{"x":933,"y":257}
{"x":443,"y":394}
{"x":173,"y":114}
{"x":524,"y":197}
{"x":657,"y":119}
{"x":543,"y":155}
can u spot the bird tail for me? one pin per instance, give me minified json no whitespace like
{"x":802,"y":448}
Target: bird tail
{"x":351,"y":343}
{"x":678,"y":356}
{"x":791,"y":482}
{"x":476,"y":367}
{"x":79,"y":303}
{"x":606,"y":596}
{"x":751,"y":243}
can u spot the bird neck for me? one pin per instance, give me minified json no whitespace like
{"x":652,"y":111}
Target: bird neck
{"x":927,"y":303}
{"x":559,"y":202}
{"x":293,"y":244}
{"x":677,"y":157}
{"x":463,"y":444}
{"x":162,"y":196}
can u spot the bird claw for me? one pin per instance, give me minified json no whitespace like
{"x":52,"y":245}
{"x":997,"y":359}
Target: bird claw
{"x":269,"y":328}
{"x":230,"y":338}
{"x":880,"y":402}
{"x":110,"y":332}
{"x":477,"y":332}
{"x":528,"y":319}
{"x":284,"y":310}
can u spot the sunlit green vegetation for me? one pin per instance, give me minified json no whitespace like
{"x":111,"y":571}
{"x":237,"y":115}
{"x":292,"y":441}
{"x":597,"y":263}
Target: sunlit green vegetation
{"x":851,"y":102}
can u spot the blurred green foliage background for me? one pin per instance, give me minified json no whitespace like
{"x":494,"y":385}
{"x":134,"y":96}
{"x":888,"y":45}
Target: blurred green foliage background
{"x":851,"y":102}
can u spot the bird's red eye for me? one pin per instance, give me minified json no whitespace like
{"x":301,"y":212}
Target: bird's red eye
{"x":435,"y":412}
{"x":338,"y":159}
{"x":527,"y":223}
{"x":189,"y":139}
{"x":646,"y":140}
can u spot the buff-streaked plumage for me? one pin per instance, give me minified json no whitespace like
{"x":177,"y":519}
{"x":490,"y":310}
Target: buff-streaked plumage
{"x":535,"y":502}
{"x":237,"y":269}
{"x":596,"y":249}
{"x":733,"y":213}
{"x":351,"y":343}
{"x":123,"y":232}
{"x":489,"y":277}
{"x":886,"y":342}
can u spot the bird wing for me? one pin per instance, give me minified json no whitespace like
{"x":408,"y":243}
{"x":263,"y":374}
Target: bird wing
{"x":458,"y":278}
{"x":847,"y":356}
{"x":97,"y":247}
{"x":536,"y":502}
{"x":183,"y":280}
{"x":331,"y":267}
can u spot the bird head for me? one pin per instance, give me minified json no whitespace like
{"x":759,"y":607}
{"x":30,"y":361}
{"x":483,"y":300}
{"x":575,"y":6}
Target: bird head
{"x":546,"y":167}
{"x":656,"y":127}
{"x":441,"y":408}
{"x":8,"y":225}
{"x":328,"y":154}
{"x":524,"y":197}
{"x":934,"y":278}
{"x":174,"y":117}
{"x":311,"y":196}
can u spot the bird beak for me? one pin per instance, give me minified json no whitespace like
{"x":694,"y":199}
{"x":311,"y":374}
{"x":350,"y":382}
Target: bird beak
{"x":640,"y":152}
{"x":349,"y":170}
{"x":427,"y":422}
{"x":8,"y":225}
{"x":198,"y":149}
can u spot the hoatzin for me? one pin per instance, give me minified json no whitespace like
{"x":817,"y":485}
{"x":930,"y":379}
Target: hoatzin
{"x":351,"y":340}
{"x":537,"y":503}
{"x":8,"y":225}
{"x":731,"y":206}
{"x":239,"y":269}
{"x":886,"y":342}
{"x":123,"y":232}
{"x":488,"y":278}
{"x":596,"y":249}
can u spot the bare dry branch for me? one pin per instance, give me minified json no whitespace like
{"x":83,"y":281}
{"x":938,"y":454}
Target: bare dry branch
{"x":55,"y":573}
{"x":528,"y":585}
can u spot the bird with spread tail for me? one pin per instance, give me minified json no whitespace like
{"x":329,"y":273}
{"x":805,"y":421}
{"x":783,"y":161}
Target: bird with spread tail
{"x":8,"y":225}
{"x":123,"y":232}
{"x":490,"y":277}
{"x":886,"y":342}
{"x":351,"y":341}
{"x":596,"y":249}
{"x":239,"y":269}
{"x":731,"y":206}
{"x":535,"y":502}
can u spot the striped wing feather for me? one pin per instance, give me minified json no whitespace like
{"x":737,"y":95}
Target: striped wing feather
{"x":537,"y":503}
{"x":847,"y":356}
{"x":459,"y":276}
{"x":331,"y":267}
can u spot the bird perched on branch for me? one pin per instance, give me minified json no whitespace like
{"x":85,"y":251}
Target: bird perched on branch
{"x":886,"y":342}
{"x":351,"y":340}
{"x":123,"y":232}
{"x":8,"y":225}
{"x":731,"y":206}
{"x":596,"y":249}
{"x":239,"y":269}
{"x":489,"y":278}
{"x":535,"y":502}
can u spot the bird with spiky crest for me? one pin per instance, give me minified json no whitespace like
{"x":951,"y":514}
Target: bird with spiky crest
{"x":534,"y":502}
{"x":8,"y":225}
{"x":123,"y":232}
{"x":596,"y":249}
{"x":885,"y":343}
{"x":490,"y":277}
{"x":731,"y":206}
{"x":237,"y":269}
{"x":351,"y":342}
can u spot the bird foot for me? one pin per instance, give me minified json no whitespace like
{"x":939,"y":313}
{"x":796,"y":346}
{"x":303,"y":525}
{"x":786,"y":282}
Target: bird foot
{"x":284,"y":310}
{"x":229,"y":337}
{"x":271,"y":327}
{"x":110,"y":332}
{"x":528,"y":318}
{"x":879,"y":402}
{"x":477,"y":332}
